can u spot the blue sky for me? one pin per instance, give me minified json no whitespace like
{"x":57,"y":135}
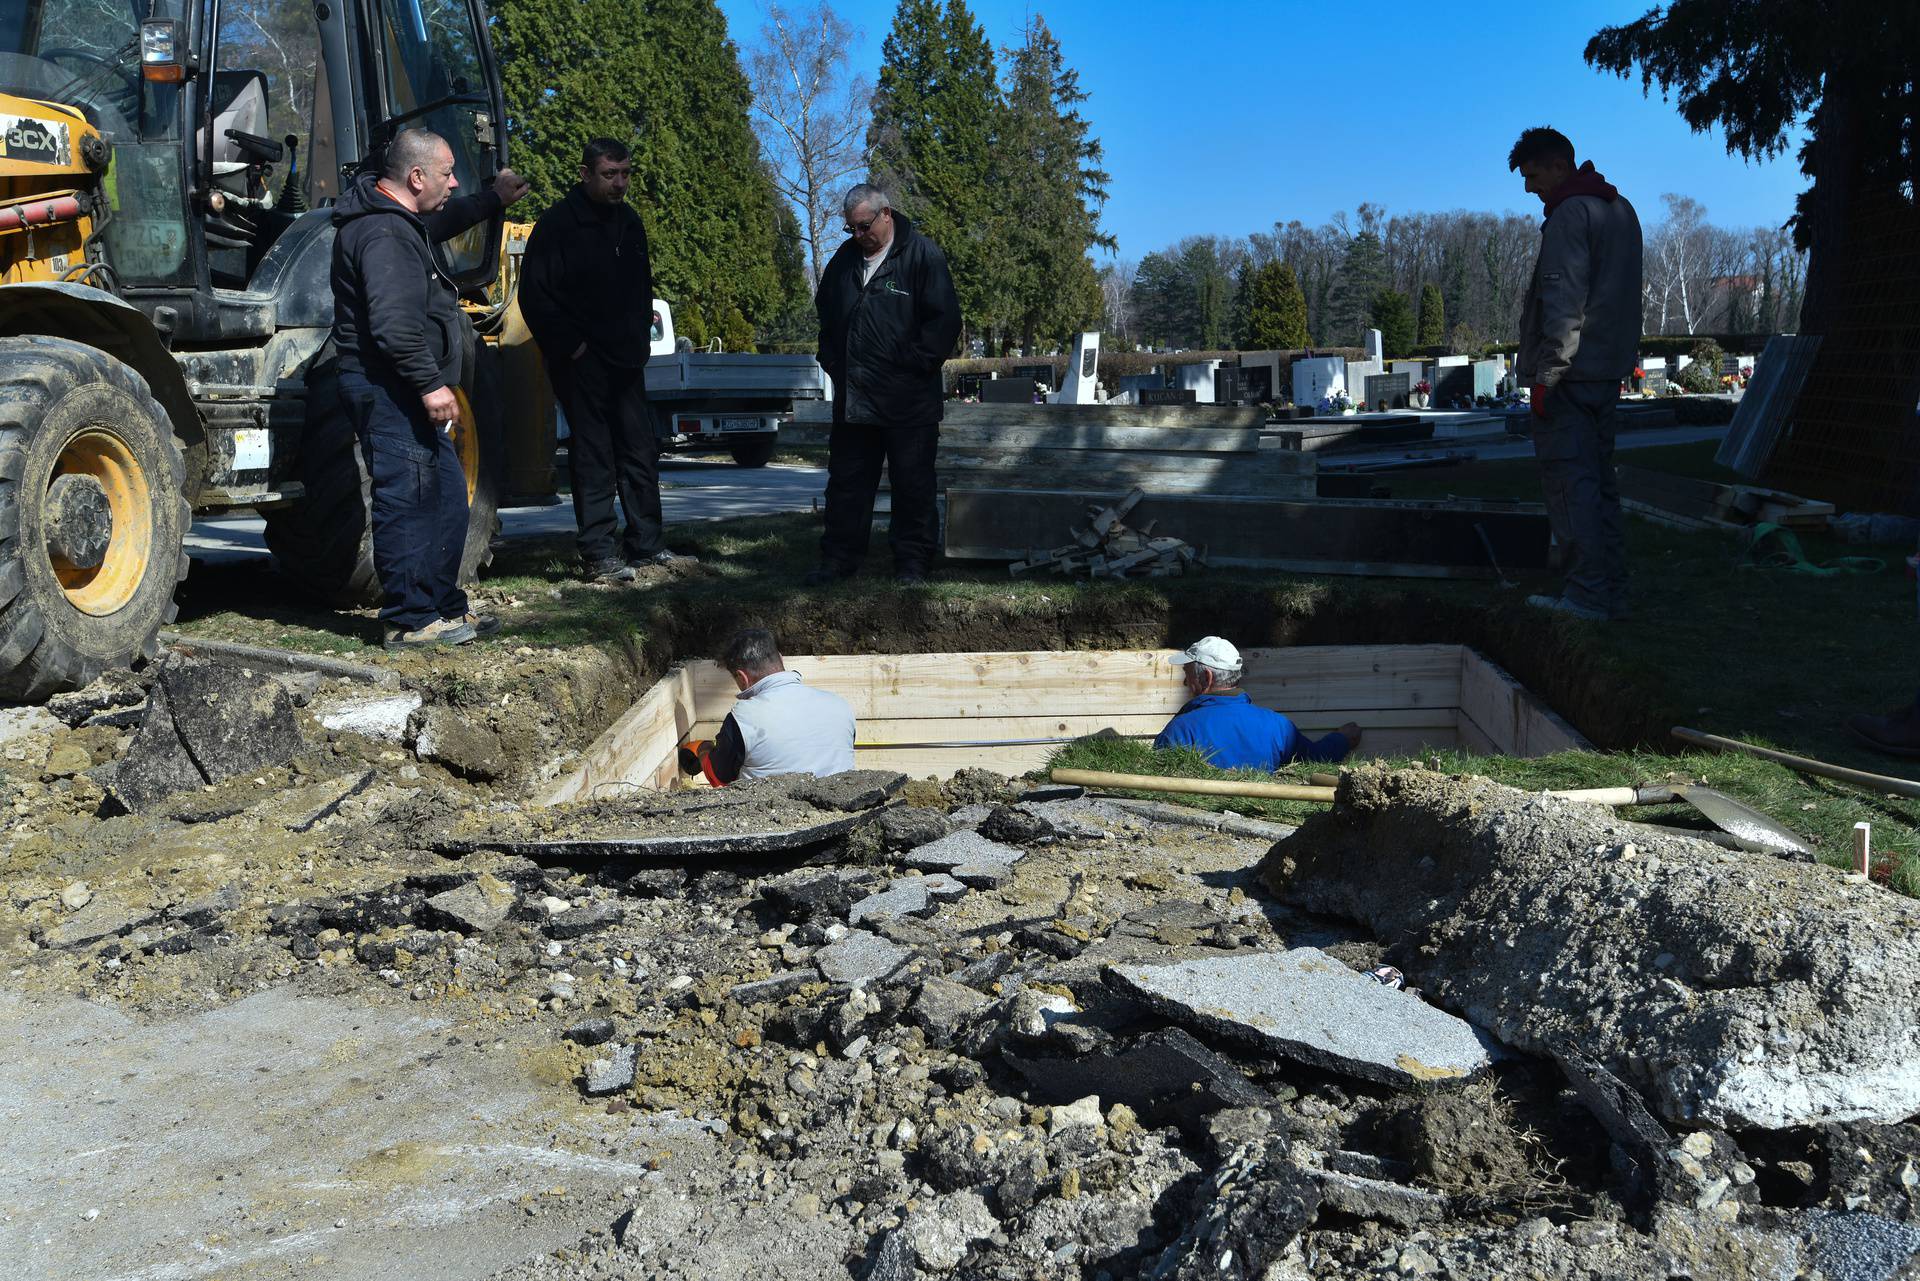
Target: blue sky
{"x":1225,"y":116}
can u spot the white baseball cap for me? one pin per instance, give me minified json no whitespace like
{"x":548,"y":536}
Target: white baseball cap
{"x":1209,"y":651}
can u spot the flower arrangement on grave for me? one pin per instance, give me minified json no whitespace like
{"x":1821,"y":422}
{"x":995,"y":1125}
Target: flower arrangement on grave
{"x":1424,"y":387}
{"x":1335,"y":402}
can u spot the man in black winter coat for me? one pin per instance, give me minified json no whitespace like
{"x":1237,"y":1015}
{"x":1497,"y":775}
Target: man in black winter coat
{"x":401,"y":342}
{"x":888,"y":320}
{"x":586,"y":291}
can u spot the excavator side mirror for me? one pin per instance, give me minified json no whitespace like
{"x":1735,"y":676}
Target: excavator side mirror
{"x":160,"y":57}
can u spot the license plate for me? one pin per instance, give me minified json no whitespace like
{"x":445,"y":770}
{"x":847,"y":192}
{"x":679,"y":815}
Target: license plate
{"x":252,"y":449}
{"x":743,"y":424}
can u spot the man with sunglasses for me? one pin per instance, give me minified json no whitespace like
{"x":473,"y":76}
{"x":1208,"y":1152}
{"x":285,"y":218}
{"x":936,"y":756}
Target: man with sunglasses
{"x":888,"y":320}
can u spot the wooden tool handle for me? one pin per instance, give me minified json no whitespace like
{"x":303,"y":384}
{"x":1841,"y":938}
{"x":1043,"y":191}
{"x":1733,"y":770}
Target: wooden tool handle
{"x":1196,"y":786}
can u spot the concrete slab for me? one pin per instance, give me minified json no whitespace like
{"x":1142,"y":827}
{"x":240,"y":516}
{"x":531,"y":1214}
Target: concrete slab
{"x":292,"y":1135}
{"x":906,"y":896}
{"x":381,"y":716}
{"x":1303,"y":1004}
{"x":969,"y":857}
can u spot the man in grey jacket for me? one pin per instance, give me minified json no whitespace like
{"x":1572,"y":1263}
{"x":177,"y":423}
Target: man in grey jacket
{"x":777,"y":725}
{"x":1579,"y":332}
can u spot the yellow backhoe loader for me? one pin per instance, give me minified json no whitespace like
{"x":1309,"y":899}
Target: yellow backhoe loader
{"x":165,"y":304}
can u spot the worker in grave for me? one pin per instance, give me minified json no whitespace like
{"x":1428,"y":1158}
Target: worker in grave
{"x":778,"y":725}
{"x":1229,"y":729}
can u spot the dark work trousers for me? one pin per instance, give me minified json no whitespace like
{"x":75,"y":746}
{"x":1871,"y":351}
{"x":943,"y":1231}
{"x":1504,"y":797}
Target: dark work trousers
{"x":610,"y":448}
{"x":855,"y":453}
{"x":419,"y":516}
{"x":1575,"y":447}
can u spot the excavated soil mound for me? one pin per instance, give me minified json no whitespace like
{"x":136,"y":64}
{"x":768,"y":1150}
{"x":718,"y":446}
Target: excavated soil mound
{"x":1738,"y":989}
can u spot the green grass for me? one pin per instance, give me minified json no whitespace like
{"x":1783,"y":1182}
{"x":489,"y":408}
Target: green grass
{"x":1519,"y":478}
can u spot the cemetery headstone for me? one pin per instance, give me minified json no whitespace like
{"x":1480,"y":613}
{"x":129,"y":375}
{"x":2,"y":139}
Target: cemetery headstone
{"x":1197,"y":378}
{"x":1390,"y":388}
{"x":1451,"y":384}
{"x":968,"y":385}
{"x":1078,"y":387}
{"x":1137,"y":383}
{"x":1655,"y":380}
{"x":1007,"y":391}
{"x":1376,"y":347}
{"x":1256,"y":384}
{"x":1486,"y":377}
{"x":1038,"y":373}
{"x":1315,"y":377}
{"x":1166,"y":396}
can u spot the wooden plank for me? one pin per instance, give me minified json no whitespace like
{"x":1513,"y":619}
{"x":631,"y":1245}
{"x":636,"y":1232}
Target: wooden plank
{"x":1102,"y":684}
{"x":632,"y":747}
{"x":1427,"y":539}
{"x":948,"y":729}
{"x":1515,"y":721}
{"x":1767,"y":403}
{"x":1472,"y":737}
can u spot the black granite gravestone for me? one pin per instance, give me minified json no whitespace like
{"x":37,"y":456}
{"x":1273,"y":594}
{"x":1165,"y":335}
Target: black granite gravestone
{"x":1392,"y":388}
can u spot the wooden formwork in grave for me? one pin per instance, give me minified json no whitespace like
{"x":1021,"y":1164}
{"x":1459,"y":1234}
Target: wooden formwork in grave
{"x":914,"y":710}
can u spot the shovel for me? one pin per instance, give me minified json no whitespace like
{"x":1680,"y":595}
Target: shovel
{"x":1750,"y":829}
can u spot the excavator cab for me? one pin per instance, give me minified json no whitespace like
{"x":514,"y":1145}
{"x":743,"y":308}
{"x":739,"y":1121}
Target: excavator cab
{"x":166,"y":168}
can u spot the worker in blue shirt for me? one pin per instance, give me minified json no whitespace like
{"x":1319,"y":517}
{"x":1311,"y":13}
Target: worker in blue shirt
{"x":1226,"y":726}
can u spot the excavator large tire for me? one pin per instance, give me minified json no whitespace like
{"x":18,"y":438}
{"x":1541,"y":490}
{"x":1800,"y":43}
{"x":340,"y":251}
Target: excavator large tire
{"x":93,"y":516}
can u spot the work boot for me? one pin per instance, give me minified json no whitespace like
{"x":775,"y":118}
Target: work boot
{"x":827,"y":575}
{"x":1895,"y":734}
{"x":482,"y":624}
{"x":1561,"y":605}
{"x":441,"y":631}
{"x":910,"y":576}
{"x":610,"y":569}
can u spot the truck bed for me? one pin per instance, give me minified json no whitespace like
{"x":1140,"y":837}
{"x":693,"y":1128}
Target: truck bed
{"x":736,"y":374}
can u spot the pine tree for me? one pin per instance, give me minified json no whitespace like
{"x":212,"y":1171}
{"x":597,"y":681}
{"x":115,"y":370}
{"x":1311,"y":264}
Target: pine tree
{"x":1433,"y":317}
{"x":1392,"y":315}
{"x":1277,"y":313}
{"x":1240,"y":316}
{"x":936,"y":114}
{"x":1050,"y":163}
{"x":1363,"y":273}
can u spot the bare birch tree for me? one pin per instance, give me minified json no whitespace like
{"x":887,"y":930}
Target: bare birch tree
{"x":811,"y":115}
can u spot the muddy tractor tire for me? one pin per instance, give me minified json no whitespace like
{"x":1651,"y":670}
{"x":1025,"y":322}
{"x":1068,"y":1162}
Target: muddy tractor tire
{"x":755,"y":452}
{"x":93,"y":516}
{"x":324,"y":542}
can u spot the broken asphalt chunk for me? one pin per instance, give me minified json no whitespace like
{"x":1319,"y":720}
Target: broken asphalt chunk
{"x":856,"y":789}
{"x":480,"y":905}
{"x":1243,"y":1217}
{"x":906,"y":896}
{"x":860,"y":957}
{"x":1304,"y":1005}
{"x":943,"y":1007}
{"x":1167,"y":1077}
{"x":1378,"y":1199}
{"x":968,"y":857}
{"x":581,"y":921}
{"x":775,"y":987}
{"x":207,"y":723}
{"x":590,"y":1032}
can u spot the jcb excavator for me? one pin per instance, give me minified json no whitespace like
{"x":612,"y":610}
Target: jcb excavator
{"x":164,"y":295}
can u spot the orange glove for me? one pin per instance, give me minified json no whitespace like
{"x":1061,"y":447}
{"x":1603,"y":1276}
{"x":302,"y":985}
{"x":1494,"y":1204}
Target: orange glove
{"x":1537,"y":401}
{"x":693,"y":755}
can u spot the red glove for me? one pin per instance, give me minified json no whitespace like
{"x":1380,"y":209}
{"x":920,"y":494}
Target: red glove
{"x":1537,"y":401}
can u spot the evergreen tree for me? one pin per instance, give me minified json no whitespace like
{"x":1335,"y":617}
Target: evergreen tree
{"x":936,"y":115}
{"x":1433,"y":317}
{"x":1209,"y":294}
{"x":1240,"y":317}
{"x":1049,"y":167}
{"x":1277,"y":314}
{"x":1392,"y":315}
{"x":665,"y":78}
{"x":1363,"y":273}
{"x":795,"y":327}
{"x":1158,"y":301}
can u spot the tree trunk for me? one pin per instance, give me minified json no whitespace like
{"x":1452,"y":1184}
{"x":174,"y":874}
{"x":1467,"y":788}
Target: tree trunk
{"x":1821,"y":221}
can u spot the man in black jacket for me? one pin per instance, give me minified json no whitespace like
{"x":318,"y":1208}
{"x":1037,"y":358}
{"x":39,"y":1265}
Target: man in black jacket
{"x":888,"y":320}
{"x":402,"y":341}
{"x":586,"y":291}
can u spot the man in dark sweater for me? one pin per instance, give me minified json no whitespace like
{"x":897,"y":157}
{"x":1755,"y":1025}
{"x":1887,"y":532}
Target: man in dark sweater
{"x":402,"y":342}
{"x":586,"y":291}
{"x":888,"y":321}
